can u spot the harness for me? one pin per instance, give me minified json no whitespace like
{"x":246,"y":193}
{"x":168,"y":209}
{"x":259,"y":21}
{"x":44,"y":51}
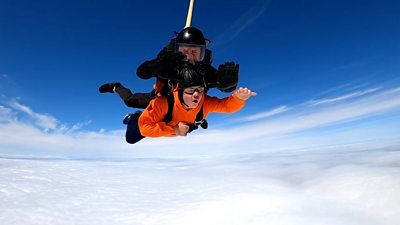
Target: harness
{"x":199,"y":121}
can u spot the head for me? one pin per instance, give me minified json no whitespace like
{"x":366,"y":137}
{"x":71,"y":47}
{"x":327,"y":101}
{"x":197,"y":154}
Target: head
{"x":191,"y":87}
{"x":191,"y":42}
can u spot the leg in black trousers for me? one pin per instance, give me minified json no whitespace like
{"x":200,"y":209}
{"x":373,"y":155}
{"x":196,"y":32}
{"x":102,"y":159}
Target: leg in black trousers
{"x":137,"y":100}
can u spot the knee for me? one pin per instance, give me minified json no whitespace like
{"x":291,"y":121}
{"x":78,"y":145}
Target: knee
{"x":130,"y":103}
{"x":130,"y":142}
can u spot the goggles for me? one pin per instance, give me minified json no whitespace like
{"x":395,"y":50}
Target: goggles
{"x":191,"y":91}
{"x":191,"y":49}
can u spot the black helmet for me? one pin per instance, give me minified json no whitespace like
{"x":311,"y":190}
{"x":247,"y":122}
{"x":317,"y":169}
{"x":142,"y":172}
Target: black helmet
{"x":190,"y":78}
{"x":191,"y":37}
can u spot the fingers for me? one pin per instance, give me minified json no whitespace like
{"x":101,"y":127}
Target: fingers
{"x":183,"y":129}
{"x":244,"y":93}
{"x":176,"y":57}
{"x":179,"y":57}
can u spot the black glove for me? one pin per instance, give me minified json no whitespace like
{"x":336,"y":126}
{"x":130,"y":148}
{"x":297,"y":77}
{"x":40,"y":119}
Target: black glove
{"x":228,"y":76}
{"x":167,"y":64}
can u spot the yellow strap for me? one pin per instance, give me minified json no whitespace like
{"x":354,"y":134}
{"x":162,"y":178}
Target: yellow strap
{"x":189,"y":15}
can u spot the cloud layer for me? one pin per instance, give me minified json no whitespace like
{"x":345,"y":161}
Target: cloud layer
{"x":347,"y":186}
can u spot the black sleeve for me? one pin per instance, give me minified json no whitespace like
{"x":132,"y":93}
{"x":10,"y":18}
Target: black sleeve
{"x":147,"y":69}
{"x":210,"y":76}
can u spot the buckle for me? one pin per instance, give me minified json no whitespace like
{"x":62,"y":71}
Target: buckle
{"x":198,"y":123}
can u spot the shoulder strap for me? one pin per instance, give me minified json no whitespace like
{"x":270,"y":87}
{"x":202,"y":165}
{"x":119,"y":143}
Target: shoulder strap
{"x":199,"y":116}
{"x":171,"y":101}
{"x":200,"y":120}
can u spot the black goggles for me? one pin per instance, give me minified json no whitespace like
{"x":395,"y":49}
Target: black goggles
{"x":192,"y":91}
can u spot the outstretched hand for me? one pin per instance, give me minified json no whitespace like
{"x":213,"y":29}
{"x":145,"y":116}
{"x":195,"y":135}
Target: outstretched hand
{"x":244,"y":93}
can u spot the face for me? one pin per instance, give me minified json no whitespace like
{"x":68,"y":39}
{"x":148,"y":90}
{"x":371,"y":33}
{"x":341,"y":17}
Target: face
{"x":191,"y":52}
{"x":192,"y":96}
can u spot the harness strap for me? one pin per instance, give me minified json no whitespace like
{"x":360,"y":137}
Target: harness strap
{"x":200,"y":121}
{"x":168,"y":116}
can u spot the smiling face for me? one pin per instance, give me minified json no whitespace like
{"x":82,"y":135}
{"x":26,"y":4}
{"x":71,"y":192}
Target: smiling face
{"x":192,"y":96}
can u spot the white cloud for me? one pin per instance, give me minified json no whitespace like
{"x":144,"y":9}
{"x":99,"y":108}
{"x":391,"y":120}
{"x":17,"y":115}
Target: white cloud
{"x":5,"y":114}
{"x":263,"y":115}
{"x":292,"y":129}
{"x":42,"y":120}
{"x":43,"y":132}
{"x":76,"y":127}
{"x":342,"y":98}
{"x":242,"y":23}
{"x":305,"y":119}
{"x":351,"y":65}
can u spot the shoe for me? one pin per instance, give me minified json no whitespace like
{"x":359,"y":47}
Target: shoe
{"x":131,"y":116}
{"x":109,"y":87}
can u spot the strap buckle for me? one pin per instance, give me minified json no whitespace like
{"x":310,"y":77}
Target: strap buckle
{"x":198,"y":123}
{"x":203,"y":123}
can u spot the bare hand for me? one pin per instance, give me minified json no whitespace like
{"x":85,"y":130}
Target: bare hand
{"x":181,"y":129}
{"x":244,"y":93}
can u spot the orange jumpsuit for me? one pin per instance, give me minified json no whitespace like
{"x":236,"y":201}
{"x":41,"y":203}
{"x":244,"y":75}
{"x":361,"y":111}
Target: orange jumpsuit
{"x":151,"y":121}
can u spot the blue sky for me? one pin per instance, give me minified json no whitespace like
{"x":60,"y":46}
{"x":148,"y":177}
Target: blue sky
{"x":326,"y":73}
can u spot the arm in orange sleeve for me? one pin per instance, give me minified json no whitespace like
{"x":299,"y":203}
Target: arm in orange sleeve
{"x":151,"y":121}
{"x":229,"y":104}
